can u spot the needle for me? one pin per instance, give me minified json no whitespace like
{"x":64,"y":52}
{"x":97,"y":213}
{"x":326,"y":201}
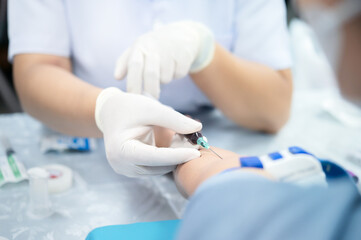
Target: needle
{"x":197,"y":138}
{"x":215,"y":153}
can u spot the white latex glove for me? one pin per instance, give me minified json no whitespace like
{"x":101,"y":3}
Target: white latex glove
{"x":126,"y":121}
{"x":168,"y":52}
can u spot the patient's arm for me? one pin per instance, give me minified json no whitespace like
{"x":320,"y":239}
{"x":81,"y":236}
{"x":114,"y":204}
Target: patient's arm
{"x":190,"y":175}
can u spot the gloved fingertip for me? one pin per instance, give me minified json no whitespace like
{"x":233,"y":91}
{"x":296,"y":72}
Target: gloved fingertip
{"x":153,"y":94}
{"x":156,"y":95}
{"x":199,"y":125}
{"x":180,"y":75}
{"x":189,"y":127}
{"x":190,"y":153}
{"x":193,"y":125}
{"x":121,"y":65}
{"x":193,"y":154}
{"x":120,"y":71}
{"x":117,"y":76}
{"x":132,"y":88}
{"x":165,"y":79}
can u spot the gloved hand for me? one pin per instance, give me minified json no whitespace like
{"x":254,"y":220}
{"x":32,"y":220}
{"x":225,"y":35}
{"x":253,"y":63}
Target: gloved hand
{"x":127,"y":121}
{"x":168,"y":52}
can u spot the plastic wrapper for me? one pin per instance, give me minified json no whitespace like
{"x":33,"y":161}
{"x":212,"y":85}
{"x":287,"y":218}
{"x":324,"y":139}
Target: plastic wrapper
{"x":11,"y":170}
{"x":98,"y":196}
{"x":53,"y":141}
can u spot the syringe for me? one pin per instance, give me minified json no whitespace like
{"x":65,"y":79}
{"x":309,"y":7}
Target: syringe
{"x":198,"y":139}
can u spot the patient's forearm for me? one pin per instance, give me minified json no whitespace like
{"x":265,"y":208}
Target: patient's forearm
{"x":190,"y":175}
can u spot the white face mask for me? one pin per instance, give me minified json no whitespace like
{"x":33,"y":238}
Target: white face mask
{"x":327,"y":23}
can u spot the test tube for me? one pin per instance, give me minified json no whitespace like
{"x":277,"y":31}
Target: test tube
{"x":39,"y":205}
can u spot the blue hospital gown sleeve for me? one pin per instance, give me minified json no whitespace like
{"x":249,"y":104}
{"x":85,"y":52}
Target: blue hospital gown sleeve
{"x":239,"y":205}
{"x":38,"y":26}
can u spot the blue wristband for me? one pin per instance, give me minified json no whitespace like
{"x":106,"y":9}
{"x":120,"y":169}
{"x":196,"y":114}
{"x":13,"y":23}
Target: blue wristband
{"x":253,"y":162}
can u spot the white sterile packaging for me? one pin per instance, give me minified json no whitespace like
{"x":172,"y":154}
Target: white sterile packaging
{"x":11,"y":170}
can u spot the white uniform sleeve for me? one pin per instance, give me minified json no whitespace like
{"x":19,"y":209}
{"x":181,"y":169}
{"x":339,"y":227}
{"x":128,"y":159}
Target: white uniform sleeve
{"x":262,"y":34}
{"x":38,"y":26}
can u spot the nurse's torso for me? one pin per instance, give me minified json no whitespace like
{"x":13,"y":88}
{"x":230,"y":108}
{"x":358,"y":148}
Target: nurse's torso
{"x":101,"y":30}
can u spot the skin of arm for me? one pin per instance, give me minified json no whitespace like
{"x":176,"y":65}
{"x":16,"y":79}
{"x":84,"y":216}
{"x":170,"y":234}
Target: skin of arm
{"x":252,"y":95}
{"x":188,"y":176}
{"x":51,"y":93}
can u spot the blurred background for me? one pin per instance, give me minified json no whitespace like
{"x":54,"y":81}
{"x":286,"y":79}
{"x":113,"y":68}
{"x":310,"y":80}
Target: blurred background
{"x":8,"y":100}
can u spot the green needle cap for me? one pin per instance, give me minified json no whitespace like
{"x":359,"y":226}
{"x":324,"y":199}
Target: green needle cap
{"x":203,"y":143}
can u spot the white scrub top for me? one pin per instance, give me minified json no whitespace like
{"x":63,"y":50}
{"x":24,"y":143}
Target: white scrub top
{"x":95,"y":33}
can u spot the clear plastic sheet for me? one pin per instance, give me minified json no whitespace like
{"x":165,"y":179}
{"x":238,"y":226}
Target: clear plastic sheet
{"x":98,"y":197}
{"x":82,"y":209}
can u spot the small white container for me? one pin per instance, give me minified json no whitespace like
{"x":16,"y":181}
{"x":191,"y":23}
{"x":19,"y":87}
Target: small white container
{"x":40,"y":204}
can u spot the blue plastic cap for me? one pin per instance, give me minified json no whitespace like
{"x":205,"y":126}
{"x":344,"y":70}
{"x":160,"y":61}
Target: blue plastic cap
{"x":298,"y":150}
{"x":253,"y":162}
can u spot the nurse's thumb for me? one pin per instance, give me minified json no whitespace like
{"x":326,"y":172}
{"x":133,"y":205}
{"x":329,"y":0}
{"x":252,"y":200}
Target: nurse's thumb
{"x":121,"y":65}
{"x":176,"y":121}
